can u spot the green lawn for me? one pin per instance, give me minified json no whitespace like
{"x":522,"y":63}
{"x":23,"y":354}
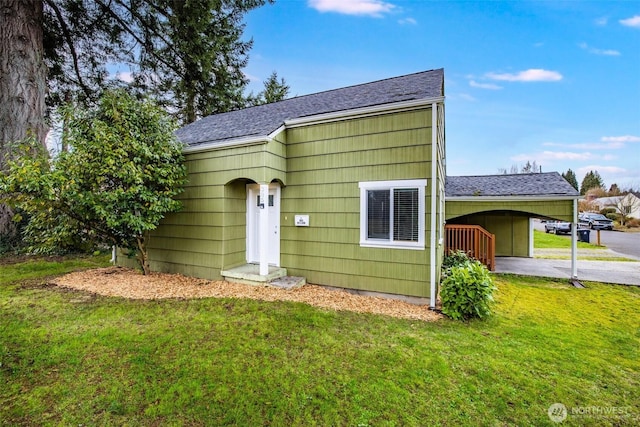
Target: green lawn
{"x":71,"y":358}
{"x":542,"y":240}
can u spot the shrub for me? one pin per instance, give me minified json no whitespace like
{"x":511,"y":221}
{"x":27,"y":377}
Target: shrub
{"x":613,"y":216}
{"x":633,"y":223}
{"x":467,"y":291}
{"x":607,"y":211}
{"x":453,"y":259}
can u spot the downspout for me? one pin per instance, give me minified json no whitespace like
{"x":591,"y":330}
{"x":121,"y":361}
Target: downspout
{"x":434,"y":181}
{"x":574,"y":243}
{"x":114,"y":257}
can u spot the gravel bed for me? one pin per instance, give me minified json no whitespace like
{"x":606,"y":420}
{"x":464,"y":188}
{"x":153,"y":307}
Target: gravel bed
{"x":127,"y":283}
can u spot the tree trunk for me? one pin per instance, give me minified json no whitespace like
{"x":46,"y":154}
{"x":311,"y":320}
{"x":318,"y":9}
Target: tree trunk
{"x":23,"y":73}
{"x":143,"y":255}
{"x":23,"y":83}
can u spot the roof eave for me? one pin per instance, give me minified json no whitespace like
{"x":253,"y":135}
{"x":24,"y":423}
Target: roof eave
{"x":235,"y":142}
{"x":519,"y":198}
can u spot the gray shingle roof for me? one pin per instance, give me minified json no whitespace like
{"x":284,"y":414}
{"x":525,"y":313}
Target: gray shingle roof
{"x":264,"y":119}
{"x":530,"y":184}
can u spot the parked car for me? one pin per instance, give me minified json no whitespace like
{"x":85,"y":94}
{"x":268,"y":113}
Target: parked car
{"x":595,"y":221}
{"x":557,"y":227}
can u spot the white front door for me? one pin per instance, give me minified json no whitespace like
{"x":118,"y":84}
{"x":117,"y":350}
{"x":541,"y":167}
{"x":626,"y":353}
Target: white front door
{"x":254,"y":207}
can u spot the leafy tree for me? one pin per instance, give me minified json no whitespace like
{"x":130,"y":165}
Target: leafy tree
{"x":570,"y":177}
{"x":590,"y":181}
{"x":117,"y":181}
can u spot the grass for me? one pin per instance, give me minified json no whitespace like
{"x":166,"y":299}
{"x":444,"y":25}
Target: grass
{"x":588,"y":251}
{"x":542,"y":240}
{"x":71,"y":358}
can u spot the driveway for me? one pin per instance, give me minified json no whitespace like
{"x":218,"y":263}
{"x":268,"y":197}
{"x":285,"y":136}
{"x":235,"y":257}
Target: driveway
{"x":618,"y":272}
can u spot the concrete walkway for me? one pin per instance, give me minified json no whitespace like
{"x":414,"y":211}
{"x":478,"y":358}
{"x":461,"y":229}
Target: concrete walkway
{"x":619,"y":272}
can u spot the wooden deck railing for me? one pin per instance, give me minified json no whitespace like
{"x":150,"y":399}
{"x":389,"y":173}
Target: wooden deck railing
{"x":477,"y":242}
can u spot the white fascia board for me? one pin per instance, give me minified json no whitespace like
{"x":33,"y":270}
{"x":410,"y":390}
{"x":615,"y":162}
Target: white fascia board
{"x":507,"y":198}
{"x":236,"y":142}
{"x":362,"y":112}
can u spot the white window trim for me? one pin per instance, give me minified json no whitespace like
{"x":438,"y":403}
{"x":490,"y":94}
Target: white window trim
{"x":420,"y":184}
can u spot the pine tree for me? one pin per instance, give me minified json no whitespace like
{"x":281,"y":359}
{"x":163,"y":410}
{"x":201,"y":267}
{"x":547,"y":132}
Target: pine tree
{"x":591,"y":180}
{"x":274,"y":91}
{"x":570,"y":177}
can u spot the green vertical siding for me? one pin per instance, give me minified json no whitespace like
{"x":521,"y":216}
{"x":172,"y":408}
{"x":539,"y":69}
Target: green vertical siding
{"x":325,"y":163}
{"x":511,"y":230}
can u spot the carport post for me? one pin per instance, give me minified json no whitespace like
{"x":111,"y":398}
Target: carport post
{"x":574,"y":243}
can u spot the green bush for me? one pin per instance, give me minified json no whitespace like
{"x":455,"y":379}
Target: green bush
{"x":454,"y":259}
{"x":606,"y":211}
{"x":467,"y":291}
{"x":613,"y":216}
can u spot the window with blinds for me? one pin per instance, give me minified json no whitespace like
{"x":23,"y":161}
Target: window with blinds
{"x":405,"y":214}
{"x":392,"y":213}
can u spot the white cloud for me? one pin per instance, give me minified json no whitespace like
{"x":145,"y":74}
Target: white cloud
{"x":623,"y":138}
{"x":553,"y":155}
{"x":606,"y":52}
{"x":531,"y":75}
{"x":375,"y":8}
{"x":631,"y":22}
{"x":611,"y":170}
{"x":490,"y":86}
{"x":409,"y":21}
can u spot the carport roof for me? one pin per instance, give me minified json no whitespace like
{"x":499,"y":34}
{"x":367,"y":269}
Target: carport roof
{"x":546,"y":184}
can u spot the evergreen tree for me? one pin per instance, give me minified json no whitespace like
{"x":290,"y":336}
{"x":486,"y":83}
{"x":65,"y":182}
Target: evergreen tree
{"x":591,"y":180}
{"x":274,"y":90}
{"x":570,"y":177}
{"x":188,"y":54}
{"x":614,"y":190}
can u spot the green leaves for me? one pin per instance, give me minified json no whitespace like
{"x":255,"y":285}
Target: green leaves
{"x":467,"y":288}
{"x":116,"y":182}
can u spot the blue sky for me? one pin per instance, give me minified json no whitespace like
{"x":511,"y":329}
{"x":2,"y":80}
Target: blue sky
{"x":556,"y":82}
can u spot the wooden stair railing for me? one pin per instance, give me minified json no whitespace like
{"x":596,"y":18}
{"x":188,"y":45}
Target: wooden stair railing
{"x":474,"y":240}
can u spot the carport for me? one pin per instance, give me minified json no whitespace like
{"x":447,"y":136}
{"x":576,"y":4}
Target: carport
{"x":505,"y":205}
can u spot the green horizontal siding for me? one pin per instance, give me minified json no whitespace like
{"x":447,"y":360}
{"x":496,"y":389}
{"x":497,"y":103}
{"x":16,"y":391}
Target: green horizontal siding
{"x":320,"y":167}
{"x":388,"y":124}
{"x":355,"y":174}
{"x":325,"y":164}
{"x":397,"y":155}
{"x":556,"y":209}
{"x":356,"y":144}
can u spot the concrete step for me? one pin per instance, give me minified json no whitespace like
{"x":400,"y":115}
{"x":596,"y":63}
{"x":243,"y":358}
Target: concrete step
{"x":249,"y":274}
{"x":288,"y":282}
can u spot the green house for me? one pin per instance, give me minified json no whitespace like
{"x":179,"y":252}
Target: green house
{"x":344,"y":188}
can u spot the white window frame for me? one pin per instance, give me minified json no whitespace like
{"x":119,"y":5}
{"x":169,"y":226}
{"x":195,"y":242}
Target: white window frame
{"x":420,"y":185}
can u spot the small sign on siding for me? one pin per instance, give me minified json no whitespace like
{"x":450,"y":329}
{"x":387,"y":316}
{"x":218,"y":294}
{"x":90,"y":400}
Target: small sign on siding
{"x":301,"y":220}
